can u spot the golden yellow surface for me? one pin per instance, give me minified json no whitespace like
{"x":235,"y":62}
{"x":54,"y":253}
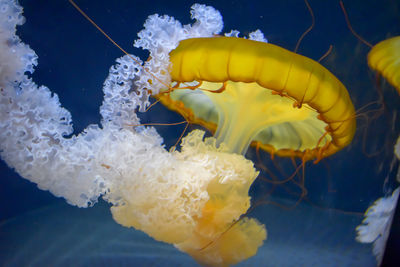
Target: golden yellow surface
{"x":289,"y":104}
{"x":385,"y":59}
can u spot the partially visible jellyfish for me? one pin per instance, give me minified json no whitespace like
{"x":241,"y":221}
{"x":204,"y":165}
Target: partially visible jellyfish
{"x":384,"y":58}
{"x":375,"y":227}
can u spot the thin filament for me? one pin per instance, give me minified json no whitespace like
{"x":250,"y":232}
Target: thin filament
{"x":351,"y":28}
{"x":114,"y":43}
{"x":326,"y":53}
{"x":309,"y":28}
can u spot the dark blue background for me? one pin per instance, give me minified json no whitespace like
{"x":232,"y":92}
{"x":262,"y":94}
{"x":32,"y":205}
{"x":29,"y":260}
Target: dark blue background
{"x":74,"y":59}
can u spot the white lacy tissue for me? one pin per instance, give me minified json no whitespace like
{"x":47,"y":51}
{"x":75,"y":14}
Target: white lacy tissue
{"x":377,"y":222}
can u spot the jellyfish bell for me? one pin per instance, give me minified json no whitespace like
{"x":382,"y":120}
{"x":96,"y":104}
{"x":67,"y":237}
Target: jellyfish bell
{"x":384,"y":58}
{"x":252,"y":92}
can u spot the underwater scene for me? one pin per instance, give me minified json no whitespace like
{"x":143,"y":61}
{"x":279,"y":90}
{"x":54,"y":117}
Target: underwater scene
{"x":199,"y":133}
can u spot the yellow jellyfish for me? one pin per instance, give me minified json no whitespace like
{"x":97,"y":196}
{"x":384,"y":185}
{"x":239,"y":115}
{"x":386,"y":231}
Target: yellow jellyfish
{"x":247,"y":92}
{"x":244,"y":91}
{"x":384,"y":58}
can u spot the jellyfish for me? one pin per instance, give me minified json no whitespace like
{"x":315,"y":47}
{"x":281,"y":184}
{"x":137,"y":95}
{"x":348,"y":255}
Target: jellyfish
{"x":384,"y":58}
{"x":375,"y":227}
{"x":250,"y":91}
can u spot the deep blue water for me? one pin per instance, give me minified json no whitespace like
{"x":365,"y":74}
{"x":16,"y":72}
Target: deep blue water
{"x":74,"y":59}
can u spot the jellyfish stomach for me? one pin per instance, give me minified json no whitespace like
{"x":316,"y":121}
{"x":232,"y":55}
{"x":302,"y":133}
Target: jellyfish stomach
{"x":245,"y":109}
